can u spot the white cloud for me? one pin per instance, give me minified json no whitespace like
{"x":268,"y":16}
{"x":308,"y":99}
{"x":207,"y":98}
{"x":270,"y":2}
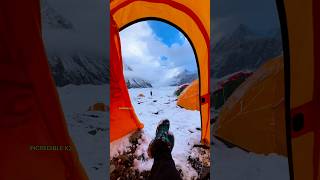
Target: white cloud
{"x":150,"y":58}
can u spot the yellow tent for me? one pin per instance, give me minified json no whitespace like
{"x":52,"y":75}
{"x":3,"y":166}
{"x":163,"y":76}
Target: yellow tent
{"x":193,"y":19}
{"x":253,"y":116}
{"x":189,"y":98}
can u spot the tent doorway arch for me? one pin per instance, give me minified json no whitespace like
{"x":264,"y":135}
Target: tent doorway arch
{"x":178,"y":62}
{"x":191,"y":19}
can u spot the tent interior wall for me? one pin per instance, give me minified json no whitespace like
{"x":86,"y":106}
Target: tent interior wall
{"x":192,"y":19}
{"x":303,"y":54}
{"x":31,"y":113}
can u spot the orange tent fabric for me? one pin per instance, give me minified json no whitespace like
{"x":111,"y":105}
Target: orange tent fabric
{"x":189,"y":98}
{"x":193,"y":19}
{"x":253,"y":116}
{"x":303,"y":26}
{"x":123,"y":119}
{"x":30,"y":112}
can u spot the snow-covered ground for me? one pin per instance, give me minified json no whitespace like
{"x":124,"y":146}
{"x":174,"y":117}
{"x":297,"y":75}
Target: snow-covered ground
{"x":184,"y":124}
{"x":236,"y":164}
{"x":89,"y":130}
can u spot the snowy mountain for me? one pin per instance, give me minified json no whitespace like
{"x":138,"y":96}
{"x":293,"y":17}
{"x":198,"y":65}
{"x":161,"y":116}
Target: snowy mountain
{"x":184,"y":77}
{"x":244,"y":49}
{"x":136,"y":82}
{"x":52,"y":19}
{"x":133,"y":80}
{"x":79,"y":69}
{"x":72,"y":58}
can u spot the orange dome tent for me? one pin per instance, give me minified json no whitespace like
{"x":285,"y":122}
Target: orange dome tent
{"x":189,"y":98}
{"x":190,"y":17}
{"x":253,"y":116}
{"x":30,"y":112}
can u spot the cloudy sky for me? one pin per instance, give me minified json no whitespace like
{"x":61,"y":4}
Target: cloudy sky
{"x":156,"y":51}
{"x":259,"y":15}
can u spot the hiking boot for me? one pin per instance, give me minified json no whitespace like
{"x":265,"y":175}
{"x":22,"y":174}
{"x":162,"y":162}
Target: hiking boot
{"x":160,"y":145}
{"x":162,"y":136}
{"x":162,"y":129}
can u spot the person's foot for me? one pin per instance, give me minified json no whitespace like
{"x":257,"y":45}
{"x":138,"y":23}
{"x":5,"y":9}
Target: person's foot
{"x":157,"y":144}
{"x":162,"y":135}
{"x":162,"y":128}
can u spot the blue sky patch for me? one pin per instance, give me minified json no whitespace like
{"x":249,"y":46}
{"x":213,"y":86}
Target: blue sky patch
{"x":167,"y":33}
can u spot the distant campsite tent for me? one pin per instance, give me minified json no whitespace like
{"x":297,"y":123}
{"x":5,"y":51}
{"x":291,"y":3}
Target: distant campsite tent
{"x":30,"y":111}
{"x":225,"y":87}
{"x":180,"y":89}
{"x":99,"y":107}
{"x":189,"y":98}
{"x":253,"y":116}
{"x":193,"y":19}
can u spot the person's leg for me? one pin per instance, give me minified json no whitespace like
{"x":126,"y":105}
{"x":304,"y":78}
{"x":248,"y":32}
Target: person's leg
{"x":160,"y":149}
{"x":161,"y":135}
{"x":163,"y":166}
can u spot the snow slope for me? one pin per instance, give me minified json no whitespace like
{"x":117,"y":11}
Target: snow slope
{"x":88,"y":130}
{"x":183,"y":124}
{"x":236,"y":164}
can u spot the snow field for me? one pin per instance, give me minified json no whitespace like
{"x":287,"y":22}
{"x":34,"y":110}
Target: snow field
{"x":92,"y":147}
{"x":228,"y":163}
{"x":183,"y":124}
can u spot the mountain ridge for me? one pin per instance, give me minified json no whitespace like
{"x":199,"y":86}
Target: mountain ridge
{"x":243,"y":49}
